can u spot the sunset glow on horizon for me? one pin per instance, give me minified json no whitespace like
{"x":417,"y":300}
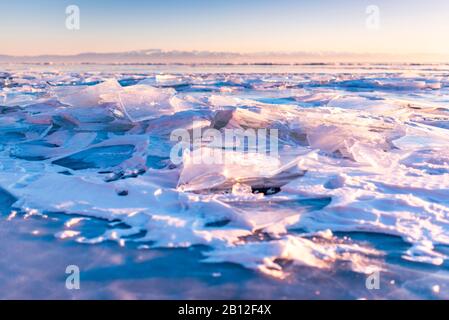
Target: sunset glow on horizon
{"x":405,"y":28}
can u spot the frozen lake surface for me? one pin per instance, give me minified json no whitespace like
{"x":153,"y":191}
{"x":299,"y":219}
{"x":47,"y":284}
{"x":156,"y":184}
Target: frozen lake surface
{"x":359,"y":185}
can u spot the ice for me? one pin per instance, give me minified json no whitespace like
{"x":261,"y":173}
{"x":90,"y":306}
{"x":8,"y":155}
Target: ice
{"x":142,"y":102}
{"x":226,"y":166}
{"x":267,"y":256}
{"x":54,"y":145}
{"x":138,"y":102}
{"x":366,"y":152}
{"x":87,"y":96}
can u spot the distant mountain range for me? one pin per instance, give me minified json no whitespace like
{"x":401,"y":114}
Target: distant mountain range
{"x":156,"y":56}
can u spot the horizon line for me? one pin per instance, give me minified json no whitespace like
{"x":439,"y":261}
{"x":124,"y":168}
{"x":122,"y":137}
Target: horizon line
{"x":265,"y":52}
{"x":162,"y":56}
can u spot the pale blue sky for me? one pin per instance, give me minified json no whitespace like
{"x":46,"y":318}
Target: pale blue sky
{"x":29,"y":27}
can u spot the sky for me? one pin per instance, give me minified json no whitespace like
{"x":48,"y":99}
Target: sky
{"x":35,"y":27}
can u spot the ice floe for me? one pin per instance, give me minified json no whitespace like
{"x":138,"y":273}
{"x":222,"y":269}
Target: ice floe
{"x":359,"y":153}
